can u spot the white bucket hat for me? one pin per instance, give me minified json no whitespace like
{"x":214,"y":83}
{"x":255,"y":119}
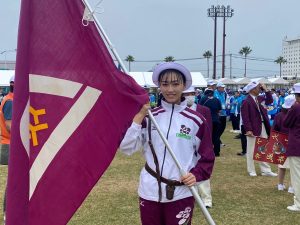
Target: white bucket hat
{"x":289,"y":101}
{"x":172,"y":66}
{"x":250,"y":86}
{"x":211,"y":82}
{"x":220,"y":84}
{"x":296,"y":88}
{"x":189,"y":90}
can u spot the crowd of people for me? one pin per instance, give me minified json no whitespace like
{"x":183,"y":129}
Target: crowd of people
{"x":193,"y":122}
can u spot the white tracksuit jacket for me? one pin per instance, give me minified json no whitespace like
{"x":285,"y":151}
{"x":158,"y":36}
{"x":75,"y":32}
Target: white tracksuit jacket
{"x":190,"y":139}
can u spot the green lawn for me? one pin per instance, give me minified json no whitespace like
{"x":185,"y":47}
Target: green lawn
{"x":237,"y":198}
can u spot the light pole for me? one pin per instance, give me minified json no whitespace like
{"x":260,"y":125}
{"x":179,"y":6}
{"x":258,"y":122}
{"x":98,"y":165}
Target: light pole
{"x":215,"y":12}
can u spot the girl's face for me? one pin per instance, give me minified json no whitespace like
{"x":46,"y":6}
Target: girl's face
{"x":172,"y":85}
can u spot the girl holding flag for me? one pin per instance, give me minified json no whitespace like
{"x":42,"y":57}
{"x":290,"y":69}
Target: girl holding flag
{"x":165,"y":198}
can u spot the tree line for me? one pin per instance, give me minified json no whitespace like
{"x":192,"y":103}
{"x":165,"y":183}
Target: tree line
{"x":244,"y":52}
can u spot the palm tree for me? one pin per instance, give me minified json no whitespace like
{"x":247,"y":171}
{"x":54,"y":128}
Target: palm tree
{"x":129,"y":59}
{"x":169,"y":59}
{"x":207,"y":55}
{"x":280,"y":60}
{"x":245,"y":51}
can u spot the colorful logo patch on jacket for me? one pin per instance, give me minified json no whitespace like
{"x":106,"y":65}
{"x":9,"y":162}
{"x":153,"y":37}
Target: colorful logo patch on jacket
{"x":184,"y":132}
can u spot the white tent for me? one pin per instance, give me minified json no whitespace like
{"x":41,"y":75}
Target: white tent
{"x":278,"y":80}
{"x":5,"y":76}
{"x":261,"y":80}
{"x":198,"y":80}
{"x":144,"y":79}
{"x":226,"y":81}
{"x":243,"y":80}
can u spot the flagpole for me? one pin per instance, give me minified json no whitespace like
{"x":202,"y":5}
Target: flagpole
{"x":102,"y":32}
{"x":182,"y":172}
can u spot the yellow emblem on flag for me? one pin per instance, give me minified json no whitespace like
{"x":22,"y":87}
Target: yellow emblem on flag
{"x":37,"y":126}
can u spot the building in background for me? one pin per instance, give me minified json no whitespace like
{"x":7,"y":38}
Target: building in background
{"x":291,"y":52}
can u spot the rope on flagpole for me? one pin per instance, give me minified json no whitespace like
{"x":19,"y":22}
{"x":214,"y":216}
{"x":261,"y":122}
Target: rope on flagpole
{"x":101,"y":31}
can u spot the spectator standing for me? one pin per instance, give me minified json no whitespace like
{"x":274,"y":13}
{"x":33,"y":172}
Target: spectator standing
{"x":256,"y":123}
{"x":292,"y":121}
{"x":204,"y":187}
{"x":214,"y":105}
{"x":221,"y":95}
{"x":242,"y":129}
{"x":281,"y":99}
{"x":235,"y":104}
{"x":5,"y":126}
{"x":279,"y":126}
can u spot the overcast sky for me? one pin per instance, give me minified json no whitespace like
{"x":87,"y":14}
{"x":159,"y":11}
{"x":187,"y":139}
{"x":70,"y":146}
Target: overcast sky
{"x":152,"y":30}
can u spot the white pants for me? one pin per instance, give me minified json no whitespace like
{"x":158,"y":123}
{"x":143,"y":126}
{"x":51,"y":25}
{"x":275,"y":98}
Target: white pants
{"x":264,"y":167}
{"x":205,"y":192}
{"x":295,"y":178}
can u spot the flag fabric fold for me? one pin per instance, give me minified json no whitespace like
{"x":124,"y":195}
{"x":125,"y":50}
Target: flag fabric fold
{"x":77,"y":106}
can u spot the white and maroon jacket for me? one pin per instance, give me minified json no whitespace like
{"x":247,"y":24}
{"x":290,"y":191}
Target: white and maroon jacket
{"x":189,"y":137}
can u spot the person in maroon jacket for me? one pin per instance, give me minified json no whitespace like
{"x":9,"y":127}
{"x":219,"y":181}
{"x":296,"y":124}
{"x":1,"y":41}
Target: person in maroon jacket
{"x":292,"y":121}
{"x":279,"y":126}
{"x":204,"y":187}
{"x":256,"y":123}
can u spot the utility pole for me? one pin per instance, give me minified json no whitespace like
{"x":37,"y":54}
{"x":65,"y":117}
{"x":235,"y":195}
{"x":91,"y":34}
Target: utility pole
{"x":230,"y":66}
{"x":215,"y":12}
{"x":227,"y":13}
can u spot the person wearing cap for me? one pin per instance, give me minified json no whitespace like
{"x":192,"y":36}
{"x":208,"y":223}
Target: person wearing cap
{"x":204,"y":187}
{"x":221,"y":95}
{"x":198,"y":95}
{"x":5,"y":126}
{"x":214,"y":105}
{"x":256,"y":123}
{"x":211,"y":84}
{"x":279,"y":126}
{"x":292,"y":121}
{"x":165,"y":198}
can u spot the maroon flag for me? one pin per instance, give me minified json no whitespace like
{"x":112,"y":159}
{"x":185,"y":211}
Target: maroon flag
{"x":272,"y":150}
{"x":77,"y":106}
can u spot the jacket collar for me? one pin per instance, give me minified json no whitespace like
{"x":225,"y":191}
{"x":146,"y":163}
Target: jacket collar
{"x":177,"y":108}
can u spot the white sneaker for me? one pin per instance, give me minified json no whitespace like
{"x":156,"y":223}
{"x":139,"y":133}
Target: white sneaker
{"x":281,"y":187}
{"x":293,"y":208}
{"x":269,"y":174}
{"x":252,"y":174}
{"x":291,"y":190}
{"x":231,"y":131}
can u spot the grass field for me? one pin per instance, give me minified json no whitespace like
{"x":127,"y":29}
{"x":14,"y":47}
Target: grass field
{"x":237,"y":198}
